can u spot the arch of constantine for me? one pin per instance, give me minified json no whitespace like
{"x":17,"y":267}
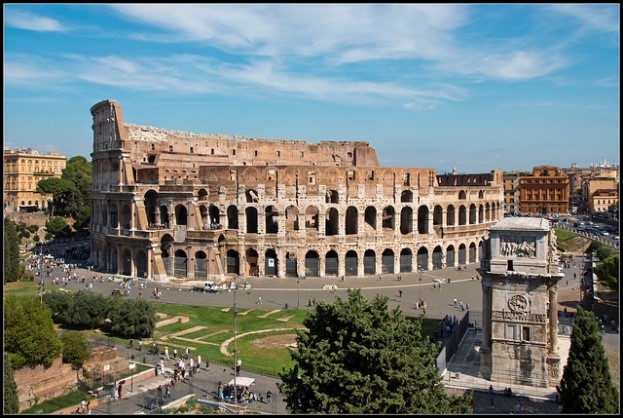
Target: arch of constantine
{"x":170,"y":204}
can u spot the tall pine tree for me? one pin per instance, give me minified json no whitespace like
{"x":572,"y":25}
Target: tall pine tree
{"x":10,"y":264}
{"x":358,"y":357}
{"x":586,"y":386}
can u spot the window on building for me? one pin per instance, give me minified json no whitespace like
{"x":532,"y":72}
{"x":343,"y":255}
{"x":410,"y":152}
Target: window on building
{"x":302,"y":154}
{"x":192,"y":150}
{"x":278,"y":153}
{"x":233,"y":152}
{"x":255,"y":153}
{"x":525,"y":334}
{"x":212,"y":151}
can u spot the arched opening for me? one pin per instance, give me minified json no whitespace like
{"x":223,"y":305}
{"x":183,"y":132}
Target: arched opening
{"x":369,"y":217}
{"x":332,"y":196}
{"x":406,"y":196}
{"x":472,"y":214}
{"x":164,"y":216}
{"x":232,"y":217}
{"x":422,"y":258}
{"x":437,"y":258}
{"x":126,"y":263}
{"x":291,"y":268}
{"x":406,"y":260}
{"x":462,"y":215}
{"x":166,"y":247}
{"x":141,"y":264}
{"x":251,"y":196}
{"x":253,"y":267}
{"x":180,"y":267}
{"x":351,"y":220}
{"x":150,"y":202}
{"x":387,"y":262}
{"x":350,"y":263}
{"x":481,"y":214}
{"x":233,"y":262}
{"x":126,"y":217}
{"x":251,"y":215}
{"x":462,"y":255}
{"x":312,"y":264}
{"x":270,"y":263}
{"x":272,"y":224}
{"x":201,"y":266}
{"x":437,"y":215}
{"x":202,"y":195}
{"x":451,"y":216}
{"x":422,"y":220}
{"x":462,"y":195}
{"x":331,"y":265}
{"x":406,"y":220}
{"x":292,"y":219}
{"x":332,"y":222}
{"x":450,"y":256}
{"x":472,"y":253}
{"x":215,"y":217}
{"x":369,"y":262}
{"x":388,"y":218}
{"x":311,"y":218}
{"x":181,"y":215}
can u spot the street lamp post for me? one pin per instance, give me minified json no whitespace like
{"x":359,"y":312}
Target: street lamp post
{"x":419,"y":268}
{"x":298,"y":294}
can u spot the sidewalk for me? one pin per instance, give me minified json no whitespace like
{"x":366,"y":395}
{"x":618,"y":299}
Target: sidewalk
{"x":202,"y":386}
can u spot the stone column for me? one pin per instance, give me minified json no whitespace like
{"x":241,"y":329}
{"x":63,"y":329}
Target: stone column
{"x":485,"y":348}
{"x":150,"y":254}
{"x":553,"y":320}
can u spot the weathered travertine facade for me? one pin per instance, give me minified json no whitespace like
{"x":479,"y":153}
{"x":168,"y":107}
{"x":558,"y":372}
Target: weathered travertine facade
{"x":520,"y":317}
{"x":176,"y":204}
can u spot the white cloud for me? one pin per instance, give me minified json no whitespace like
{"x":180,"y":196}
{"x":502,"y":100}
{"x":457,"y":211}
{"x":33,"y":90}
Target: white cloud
{"x":29,"y":21}
{"x":29,"y":73}
{"x":605,"y":18}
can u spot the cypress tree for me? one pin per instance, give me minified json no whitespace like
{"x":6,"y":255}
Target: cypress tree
{"x":10,"y":265}
{"x":11,"y":400}
{"x":586,"y":386}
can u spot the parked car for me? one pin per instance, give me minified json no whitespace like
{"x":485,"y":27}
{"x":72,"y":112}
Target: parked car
{"x":209,"y":287}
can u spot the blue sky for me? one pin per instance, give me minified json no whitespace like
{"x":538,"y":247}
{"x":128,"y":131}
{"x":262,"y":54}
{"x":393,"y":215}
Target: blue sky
{"x":481,"y":87}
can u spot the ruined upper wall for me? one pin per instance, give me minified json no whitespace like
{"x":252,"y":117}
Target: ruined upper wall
{"x":215,"y":149}
{"x":148,"y":144}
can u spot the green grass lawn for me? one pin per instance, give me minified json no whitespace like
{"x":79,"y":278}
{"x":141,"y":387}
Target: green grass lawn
{"x":569,"y":241}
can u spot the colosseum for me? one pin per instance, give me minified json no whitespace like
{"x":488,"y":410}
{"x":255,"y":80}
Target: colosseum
{"x":171,"y":205}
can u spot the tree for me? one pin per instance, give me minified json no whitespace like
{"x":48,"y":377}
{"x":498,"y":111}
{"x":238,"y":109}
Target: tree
{"x":57,"y":226}
{"x":76,"y":348}
{"x":607,"y":272}
{"x":586,"y":385}
{"x":11,"y":400}
{"x":63,"y":194}
{"x":10,"y":265}
{"x":132,"y":317}
{"x":29,"y":335}
{"x":86,"y":310}
{"x":59,"y":303}
{"x":358,"y":357}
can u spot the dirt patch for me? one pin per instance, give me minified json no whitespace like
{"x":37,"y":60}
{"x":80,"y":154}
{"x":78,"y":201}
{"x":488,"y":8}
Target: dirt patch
{"x":276,"y":341}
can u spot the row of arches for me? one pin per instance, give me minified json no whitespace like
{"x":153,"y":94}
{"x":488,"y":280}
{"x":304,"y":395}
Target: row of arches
{"x":333,"y":221}
{"x":312,"y":263}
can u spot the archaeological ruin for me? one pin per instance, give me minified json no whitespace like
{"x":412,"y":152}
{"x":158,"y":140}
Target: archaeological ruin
{"x":520,"y":304}
{"x":184,"y":206}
